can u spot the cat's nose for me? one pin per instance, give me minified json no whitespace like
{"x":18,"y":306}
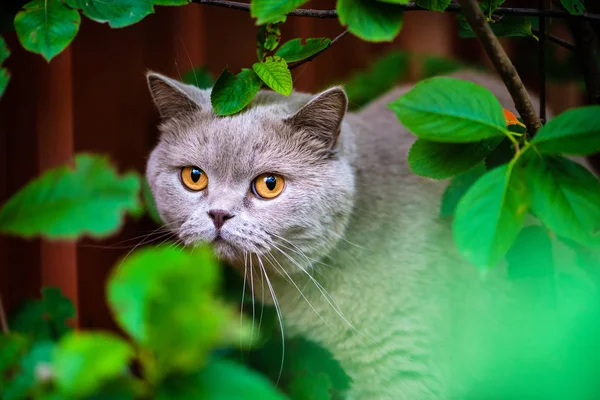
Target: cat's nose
{"x":219,"y":217}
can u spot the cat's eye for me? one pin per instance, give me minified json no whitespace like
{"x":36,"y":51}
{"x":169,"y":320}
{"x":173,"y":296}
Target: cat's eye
{"x":268,"y":186}
{"x":194,"y":178}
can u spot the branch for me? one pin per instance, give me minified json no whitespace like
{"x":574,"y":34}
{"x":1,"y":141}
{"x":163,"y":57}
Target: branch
{"x":587,"y":53}
{"x":338,"y":37}
{"x":453,"y":8}
{"x":557,"y":40}
{"x":502,"y":63}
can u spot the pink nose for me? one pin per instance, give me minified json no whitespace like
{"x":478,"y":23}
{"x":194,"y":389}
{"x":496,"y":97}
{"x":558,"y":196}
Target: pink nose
{"x":219,"y":217}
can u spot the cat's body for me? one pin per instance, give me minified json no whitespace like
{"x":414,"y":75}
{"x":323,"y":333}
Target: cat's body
{"x":402,"y":308}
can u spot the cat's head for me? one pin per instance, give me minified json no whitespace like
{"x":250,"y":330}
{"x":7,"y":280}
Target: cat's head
{"x":274,"y":178}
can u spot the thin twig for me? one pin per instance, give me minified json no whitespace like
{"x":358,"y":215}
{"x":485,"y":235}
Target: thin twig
{"x":338,"y":37}
{"x":3,"y":320}
{"x":542,"y":64}
{"x":502,"y":63}
{"x":557,"y":40}
{"x":454,"y":8}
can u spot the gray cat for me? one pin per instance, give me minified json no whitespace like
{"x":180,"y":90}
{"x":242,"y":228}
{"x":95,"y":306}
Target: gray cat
{"x":318,"y":209}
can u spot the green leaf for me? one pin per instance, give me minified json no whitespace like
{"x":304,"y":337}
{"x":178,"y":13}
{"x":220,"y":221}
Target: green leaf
{"x":443,"y":160}
{"x":164,"y":298}
{"x":12,"y":348}
{"x":67,"y":203}
{"x":45,"y":318}
{"x":501,"y":155}
{"x":170,"y":2}
{"x":383,"y":74}
{"x":293,"y":50}
{"x":371,"y":20}
{"x":118,"y":13}
{"x":46,"y":27}
{"x":83,"y":362}
{"x":272,"y":10}
{"x":566,"y":198}
{"x":199,"y":77}
{"x":232,"y":93}
{"x":576,"y":131}
{"x":275,"y":73}
{"x":490,"y":5}
{"x":531,"y":255}
{"x":490,"y":216}
{"x":434,"y":5}
{"x":573,"y":6}
{"x":450,"y":110}
{"x":4,"y":74}
{"x":457,"y":188}
{"x":221,"y":379}
{"x":515,"y":26}
{"x":267,"y":39}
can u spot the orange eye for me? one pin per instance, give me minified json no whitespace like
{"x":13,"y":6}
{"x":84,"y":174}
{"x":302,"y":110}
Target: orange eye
{"x":194,"y":178}
{"x":268,"y":186}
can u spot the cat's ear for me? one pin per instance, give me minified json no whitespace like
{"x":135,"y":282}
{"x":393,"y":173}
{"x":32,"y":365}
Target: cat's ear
{"x":172,"y":98}
{"x":322,"y":116}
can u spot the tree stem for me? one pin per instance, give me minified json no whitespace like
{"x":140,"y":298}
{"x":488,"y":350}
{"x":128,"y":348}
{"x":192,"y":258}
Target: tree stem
{"x":454,"y":8}
{"x":299,"y":63}
{"x":502,"y":63}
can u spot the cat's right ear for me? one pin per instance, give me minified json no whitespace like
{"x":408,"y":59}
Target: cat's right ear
{"x":172,"y":98}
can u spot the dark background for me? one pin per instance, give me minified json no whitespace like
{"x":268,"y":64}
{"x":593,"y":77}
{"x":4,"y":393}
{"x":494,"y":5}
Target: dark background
{"x":93,"y":98}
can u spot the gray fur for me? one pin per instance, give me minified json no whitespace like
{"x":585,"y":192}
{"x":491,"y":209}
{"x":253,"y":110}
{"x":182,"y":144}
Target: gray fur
{"x":352,"y":215}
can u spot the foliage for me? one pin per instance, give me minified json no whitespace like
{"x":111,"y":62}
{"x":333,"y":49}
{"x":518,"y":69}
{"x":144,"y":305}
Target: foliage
{"x":4,"y":74}
{"x":564,"y":196}
{"x":64,"y":201}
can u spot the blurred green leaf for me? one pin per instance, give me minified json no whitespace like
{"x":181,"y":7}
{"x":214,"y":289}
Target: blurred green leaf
{"x":164,"y":298}
{"x":199,"y":77}
{"x":46,"y":27}
{"x":275,"y":73}
{"x":370,"y":20}
{"x":82,"y":362}
{"x":566,"y":198}
{"x":170,"y":2}
{"x":395,"y":1}
{"x":272,"y":10}
{"x":514,"y":26}
{"x":293,"y":50}
{"x":576,"y":131}
{"x":33,"y":369}
{"x":118,"y":13}
{"x":457,"y":188}
{"x":443,"y":160}
{"x":4,"y":74}
{"x":382,"y":75}
{"x":573,"y":6}
{"x":531,"y":255}
{"x":450,"y":110}
{"x":12,"y":347}
{"x":221,"y":379}
{"x":490,"y":215}
{"x":45,"y":319}
{"x":310,"y":387}
{"x":434,"y":66}
{"x":434,"y":5}
{"x":67,"y":203}
{"x":232,"y":93}
{"x":490,"y":5}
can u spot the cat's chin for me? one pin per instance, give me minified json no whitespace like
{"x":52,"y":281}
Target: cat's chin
{"x":225,"y":251}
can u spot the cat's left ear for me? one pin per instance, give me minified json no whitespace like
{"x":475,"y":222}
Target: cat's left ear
{"x":322,"y":116}
{"x":173,"y":98}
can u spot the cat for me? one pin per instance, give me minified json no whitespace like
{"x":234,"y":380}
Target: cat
{"x":317,"y":207}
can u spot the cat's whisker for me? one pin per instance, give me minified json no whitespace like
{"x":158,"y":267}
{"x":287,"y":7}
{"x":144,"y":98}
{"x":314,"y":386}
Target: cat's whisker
{"x":243,"y":294}
{"x":262,"y":301}
{"x":323,"y":291}
{"x":252,"y":289}
{"x":144,"y":241}
{"x":298,"y":250}
{"x":278,"y":310}
{"x":291,"y":280}
{"x":341,"y":237}
{"x":115,"y":246}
